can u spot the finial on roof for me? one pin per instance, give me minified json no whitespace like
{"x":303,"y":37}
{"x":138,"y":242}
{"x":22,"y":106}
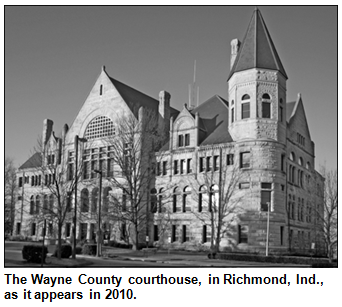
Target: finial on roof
{"x":103,"y":68}
{"x":256,"y":9}
{"x":299,"y":95}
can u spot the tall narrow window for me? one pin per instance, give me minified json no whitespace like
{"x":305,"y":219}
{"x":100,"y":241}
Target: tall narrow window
{"x":158,"y":169}
{"x":32,"y":205}
{"x":174,"y":233}
{"x":201,"y":164}
{"x":188,"y":166}
{"x":174,"y":200}
{"x":282,"y":163}
{"x":266,"y":189}
{"x":175,"y":167}
{"x":204,"y":233}
{"x":94,"y":200}
{"x":187,"y":139}
{"x":216,"y":163}
{"x":101,"y":89}
{"x":180,"y":140}
{"x":164,"y":167}
{"x":242,"y":234}
{"x":201,"y":197}
{"x":182,"y":166}
{"x":266,"y":106}
{"x":245,"y":107}
{"x":155,"y":233}
{"x":208,"y":164}
{"x":230,"y":159}
{"x":232,"y":114}
{"x":281,"y":235}
{"x":184,"y":234}
{"x":186,"y":193}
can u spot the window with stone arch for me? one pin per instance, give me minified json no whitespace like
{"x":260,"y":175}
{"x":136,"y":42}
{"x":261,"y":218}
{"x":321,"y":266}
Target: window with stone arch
{"x":266,"y":106}
{"x":292,"y":156}
{"x":245,"y":106}
{"x":101,"y":126}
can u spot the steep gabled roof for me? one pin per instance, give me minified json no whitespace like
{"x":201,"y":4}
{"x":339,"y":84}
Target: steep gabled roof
{"x":257,"y":49}
{"x":136,"y":99}
{"x":213,"y":115}
{"x":34,"y":161}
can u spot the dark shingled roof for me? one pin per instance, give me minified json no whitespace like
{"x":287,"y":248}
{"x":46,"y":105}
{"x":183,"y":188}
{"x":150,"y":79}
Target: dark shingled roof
{"x":136,"y":99}
{"x":257,"y":49}
{"x":34,"y":161}
{"x":213,"y":115}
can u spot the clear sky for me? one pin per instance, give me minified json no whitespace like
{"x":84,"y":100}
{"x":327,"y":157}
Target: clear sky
{"x":53,"y":56}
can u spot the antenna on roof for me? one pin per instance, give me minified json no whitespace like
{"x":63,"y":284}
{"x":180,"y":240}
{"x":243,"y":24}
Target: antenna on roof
{"x":192,"y":91}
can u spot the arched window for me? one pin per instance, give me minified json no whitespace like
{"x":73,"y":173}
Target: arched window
{"x":106,"y":199}
{"x":32,"y":205}
{"x":266,"y":106}
{"x":153,"y":196}
{"x":292,"y":156}
{"x":186,"y":192}
{"x":84,"y":200}
{"x":213,"y":198}
{"x":300,"y":161}
{"x":99,"y":127}
{"x":307,"y":165}
{"x":245,"y":106}
{"x":94,"y":200}
{"x":37,"y":204}
{"x":174,"y":199}
{"x":201,"y":197}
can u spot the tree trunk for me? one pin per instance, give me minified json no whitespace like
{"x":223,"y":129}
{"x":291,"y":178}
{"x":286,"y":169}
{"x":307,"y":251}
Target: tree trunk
{"x":59,"y":248}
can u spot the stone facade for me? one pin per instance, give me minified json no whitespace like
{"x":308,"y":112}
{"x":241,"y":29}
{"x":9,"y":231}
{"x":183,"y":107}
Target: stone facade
{"x":234,"y":163}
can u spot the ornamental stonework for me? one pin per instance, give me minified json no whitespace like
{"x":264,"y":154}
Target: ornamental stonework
{"x":267,"y":75}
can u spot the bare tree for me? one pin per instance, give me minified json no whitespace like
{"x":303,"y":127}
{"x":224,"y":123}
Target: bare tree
{"x":55,"y":187}
{"x":327,"y":217}
{"x":132,"y":154}
{"x":219,"y":197}
{"x":10,"y":194}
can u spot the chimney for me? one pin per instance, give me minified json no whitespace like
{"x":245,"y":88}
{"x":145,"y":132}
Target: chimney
{"x":47,"y":130}
{"x":65,"y":131}
{"x":164,"y":111}
{"x":235,"y":46}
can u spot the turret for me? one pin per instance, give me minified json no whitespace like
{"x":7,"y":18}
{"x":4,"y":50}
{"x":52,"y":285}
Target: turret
{"x":256,"y":86}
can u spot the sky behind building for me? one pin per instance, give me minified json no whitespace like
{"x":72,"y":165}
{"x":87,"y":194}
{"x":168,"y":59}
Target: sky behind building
{"x":53,"y":56}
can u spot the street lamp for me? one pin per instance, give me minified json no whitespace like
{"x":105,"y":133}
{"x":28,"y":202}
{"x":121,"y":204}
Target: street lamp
{"x":99,"y":234}
{"x":77,"y":139}
{"x":268,"y":227}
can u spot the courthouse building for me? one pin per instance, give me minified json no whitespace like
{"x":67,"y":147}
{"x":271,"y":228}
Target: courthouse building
{"x":244,"y":163}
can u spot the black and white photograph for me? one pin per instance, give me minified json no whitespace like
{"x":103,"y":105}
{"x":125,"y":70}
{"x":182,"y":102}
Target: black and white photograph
{"x":170,"y":137}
